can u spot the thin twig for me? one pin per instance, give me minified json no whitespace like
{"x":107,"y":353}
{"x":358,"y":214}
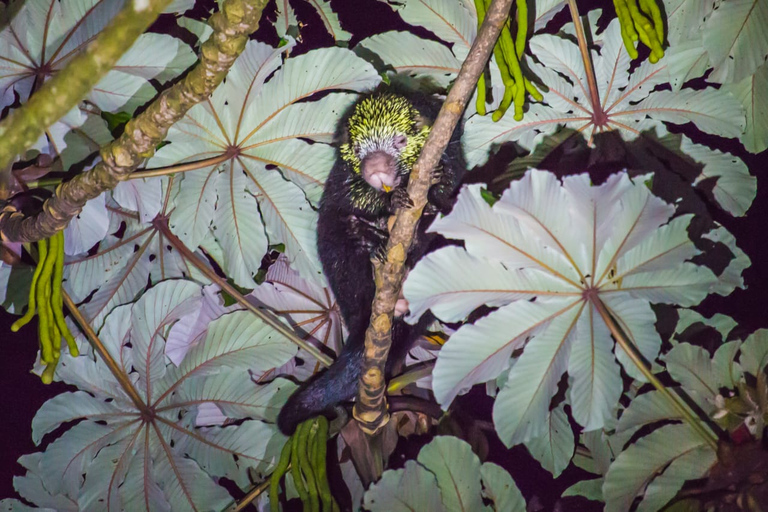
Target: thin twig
{"x":118,"y":372}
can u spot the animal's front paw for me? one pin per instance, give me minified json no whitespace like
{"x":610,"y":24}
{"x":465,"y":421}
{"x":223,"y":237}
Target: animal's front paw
{"x":379,"y":254}
{"x":400,"y":199}
{"x":436,"y":176}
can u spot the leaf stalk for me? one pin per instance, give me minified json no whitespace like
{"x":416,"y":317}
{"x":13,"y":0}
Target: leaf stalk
{"x":624,"y":342}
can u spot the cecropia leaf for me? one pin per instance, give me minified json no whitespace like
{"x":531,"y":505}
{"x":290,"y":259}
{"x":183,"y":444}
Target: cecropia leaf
{"x":553,"y":258}
{"x":145,"y":450}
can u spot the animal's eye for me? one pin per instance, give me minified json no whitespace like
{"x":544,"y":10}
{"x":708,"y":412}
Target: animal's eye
{"x":400,"y":141}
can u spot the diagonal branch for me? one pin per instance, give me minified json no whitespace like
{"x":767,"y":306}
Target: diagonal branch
{"x":58,"y":95}
{"x":232,"y":26}
{"x":371,"y":406}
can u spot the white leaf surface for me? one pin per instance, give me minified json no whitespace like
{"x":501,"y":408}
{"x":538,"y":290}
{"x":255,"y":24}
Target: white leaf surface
{"x":244,"y":244}
{"x":754,"y":352}
{"x":309,"y":307}
{"x":153,"y":313}
{"x":453,"y":22}
{"x":544,"y":254}
{"x":258,"y":123}
{"x":415,"y":56}
{"x":154,"y":455}
{"x":144,"y":196}
{"x":736,"y":39}
{"x":88,"y":228}
{"x":521,"y":407}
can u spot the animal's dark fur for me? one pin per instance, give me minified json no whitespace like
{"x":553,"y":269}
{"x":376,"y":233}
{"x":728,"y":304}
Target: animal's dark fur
{"x":351,"y":231}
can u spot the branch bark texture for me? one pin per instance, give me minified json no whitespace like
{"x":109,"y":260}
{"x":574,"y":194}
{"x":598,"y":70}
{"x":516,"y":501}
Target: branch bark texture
{"x":371,"y":406}
{"x":232,"y":26}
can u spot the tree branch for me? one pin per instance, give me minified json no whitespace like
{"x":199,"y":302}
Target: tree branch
{"x":232,"y":26}
{"x":58,"y":95}
{"x":371,"y":406}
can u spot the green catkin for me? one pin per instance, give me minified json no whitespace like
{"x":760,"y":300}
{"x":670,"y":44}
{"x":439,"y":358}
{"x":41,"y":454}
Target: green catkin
{"x":510,"y":54}
{"x":298,"y":480}
{"x":522,"y":28}
{"x":307,"y":433}
{"x":481,"y":85}
{"x":56,"y":300}
{"x":329,"y":504}
{"x":280,"y":470}
{"x":43,"y":327}
{"x":24,"y":320}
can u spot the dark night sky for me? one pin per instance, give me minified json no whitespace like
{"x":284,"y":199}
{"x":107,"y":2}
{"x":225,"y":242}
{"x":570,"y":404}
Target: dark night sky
{"x":24,"y":393}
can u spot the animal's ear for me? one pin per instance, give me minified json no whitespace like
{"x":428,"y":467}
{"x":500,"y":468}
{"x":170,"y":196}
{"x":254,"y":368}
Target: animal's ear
{"x":422,"y":122}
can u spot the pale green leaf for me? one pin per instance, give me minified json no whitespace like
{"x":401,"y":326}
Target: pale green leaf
{"x":555,"y":448}
{"x":647,"y":408}
{"x":645,"y":460}
{"x":144,"y":196}
{"x":479,"y":352}
{"x":156,"y":456}
{"x":736,"y":39}
{"x":628,"y":106}
{"x":286,"y":18}
{"x":195,"y":206}
{"x":754,"y":352}
{"x":329,"y":19}
{"x":594,"y":381}
{"x":590,"y":489}
{"x":404,"y":490}
{"x":290,"y":219}
{"x":409,"y":54}
{"x":685,"y":61}
{"x":711,"y":110}
{"x":151,"y":317}
{"x":258,"y":123}
{"x":752,"y":92}
{"x":453,"y":22}
{"x":685,"y":18}
{"x":457,"y":471}
{"x":87,"y":229}
{"x":538,"y":264}
{"x":725,"y":369}
{"x":499,"y":487}
{"x":734,"y":189}
{"x":721,"y":323}
{"x":691,"y":366}
{"x":481,"y":134}
{"x":31,"y":488}
{"x":474,"y":282}
{"x":689,"y":466}
{"x":71,"y":406}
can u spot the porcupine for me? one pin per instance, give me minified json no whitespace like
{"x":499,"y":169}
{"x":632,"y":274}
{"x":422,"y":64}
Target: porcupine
{"x":381,"y":138}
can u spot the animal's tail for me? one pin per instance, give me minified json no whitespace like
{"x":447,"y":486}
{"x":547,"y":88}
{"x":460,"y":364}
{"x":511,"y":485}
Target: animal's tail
{"x":339,"y":382}
{"x":335,"y":385}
